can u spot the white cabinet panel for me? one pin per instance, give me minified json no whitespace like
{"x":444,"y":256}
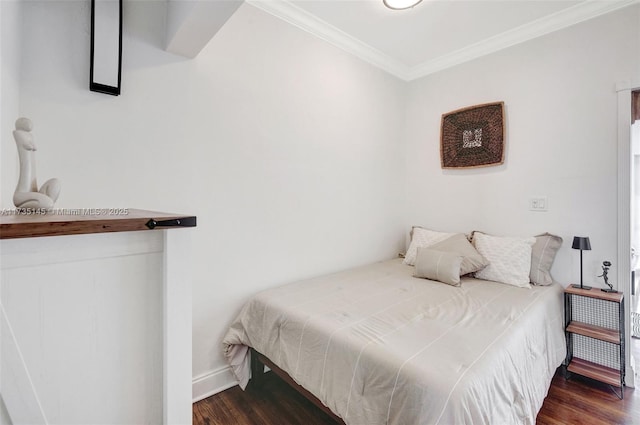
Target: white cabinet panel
{"x":83,"y":327}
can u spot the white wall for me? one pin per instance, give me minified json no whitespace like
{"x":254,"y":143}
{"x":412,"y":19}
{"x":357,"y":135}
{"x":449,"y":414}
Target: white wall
{"x":286,"y":148}
{"x":10,"y":19}
{"x":561,"y":129}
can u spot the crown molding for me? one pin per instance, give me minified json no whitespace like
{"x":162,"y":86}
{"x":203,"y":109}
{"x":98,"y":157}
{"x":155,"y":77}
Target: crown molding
{"x":306,"y":21}
{"x":565,"y":18}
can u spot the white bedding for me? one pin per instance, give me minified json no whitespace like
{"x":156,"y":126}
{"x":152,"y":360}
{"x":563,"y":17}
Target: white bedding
{"x":378,"y":346}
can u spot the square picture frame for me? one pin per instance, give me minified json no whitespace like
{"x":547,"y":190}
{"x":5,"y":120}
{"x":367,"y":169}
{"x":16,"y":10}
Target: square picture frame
{"x":473,"y":137}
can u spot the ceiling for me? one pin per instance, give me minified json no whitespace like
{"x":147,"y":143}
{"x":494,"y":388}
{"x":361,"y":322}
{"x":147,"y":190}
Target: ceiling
{"x":435,"y":34}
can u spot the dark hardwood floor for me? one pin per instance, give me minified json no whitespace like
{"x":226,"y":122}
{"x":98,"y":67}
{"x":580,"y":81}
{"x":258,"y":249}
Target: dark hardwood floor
{"x":584,"y":401}
{"x":274,"y":403}
{"x":576,"y":401}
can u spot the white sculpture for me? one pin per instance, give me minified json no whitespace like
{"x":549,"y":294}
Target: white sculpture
{"x":27,"y":194}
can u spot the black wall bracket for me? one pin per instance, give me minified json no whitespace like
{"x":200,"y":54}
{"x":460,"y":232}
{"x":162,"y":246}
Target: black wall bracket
{"x":174,"y":222}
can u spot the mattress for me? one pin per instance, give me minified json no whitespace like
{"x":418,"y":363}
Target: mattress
{"x":378,"y":346}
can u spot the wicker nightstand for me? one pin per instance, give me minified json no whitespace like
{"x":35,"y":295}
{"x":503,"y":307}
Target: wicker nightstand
{"x":594,"y":329}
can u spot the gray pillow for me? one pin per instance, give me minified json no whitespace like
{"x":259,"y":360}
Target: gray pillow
{"x":472,"y":261}
{"x":438,"y":265}
{"x":543,"y":253}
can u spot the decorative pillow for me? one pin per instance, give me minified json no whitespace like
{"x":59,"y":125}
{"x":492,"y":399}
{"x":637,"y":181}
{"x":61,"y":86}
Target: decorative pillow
{"x":472,"y":261}
{"x":509,"y":258}
{"x":542,"y":255}
{"x":438,"y":265}
{"x":422,"y":238}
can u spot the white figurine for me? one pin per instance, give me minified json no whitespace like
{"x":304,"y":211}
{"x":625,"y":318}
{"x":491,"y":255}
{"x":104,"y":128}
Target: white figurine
{"x":27,"y":194}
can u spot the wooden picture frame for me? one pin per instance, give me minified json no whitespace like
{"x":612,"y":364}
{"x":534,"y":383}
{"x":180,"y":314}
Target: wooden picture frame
{"x":473,"y":137}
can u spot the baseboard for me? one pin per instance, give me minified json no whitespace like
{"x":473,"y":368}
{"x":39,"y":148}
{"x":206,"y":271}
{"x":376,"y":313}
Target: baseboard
{"x":211,"y":383}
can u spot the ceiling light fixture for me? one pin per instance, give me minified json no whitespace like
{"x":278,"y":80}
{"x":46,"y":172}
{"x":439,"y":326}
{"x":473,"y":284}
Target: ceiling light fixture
{"x":400,"y":4}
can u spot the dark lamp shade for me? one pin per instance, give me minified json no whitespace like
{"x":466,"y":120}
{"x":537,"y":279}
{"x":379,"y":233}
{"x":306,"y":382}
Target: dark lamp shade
{"x":581,"y":243}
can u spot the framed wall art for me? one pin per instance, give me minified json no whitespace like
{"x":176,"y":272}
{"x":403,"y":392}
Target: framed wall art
{"x":105,"y":69}
{"x":473,"y":137}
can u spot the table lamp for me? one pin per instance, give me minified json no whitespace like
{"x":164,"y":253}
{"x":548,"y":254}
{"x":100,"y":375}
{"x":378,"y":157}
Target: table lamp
{"x":582,"y":243}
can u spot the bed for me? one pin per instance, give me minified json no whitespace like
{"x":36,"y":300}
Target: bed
{"x":378,"y":346}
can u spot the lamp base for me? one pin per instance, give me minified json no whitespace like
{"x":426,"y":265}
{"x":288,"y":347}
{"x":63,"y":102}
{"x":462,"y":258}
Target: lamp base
{"x":611,"y":291}
{"x":581,"y":287}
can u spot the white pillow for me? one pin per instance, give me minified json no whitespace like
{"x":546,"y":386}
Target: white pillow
{"x":509,"y":258}
{"x":422,"y":238}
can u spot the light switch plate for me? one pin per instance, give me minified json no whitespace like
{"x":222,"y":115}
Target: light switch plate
{"x":540,"y":204}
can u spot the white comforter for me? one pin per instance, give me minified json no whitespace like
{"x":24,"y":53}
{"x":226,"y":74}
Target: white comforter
{"x":378,"y":346}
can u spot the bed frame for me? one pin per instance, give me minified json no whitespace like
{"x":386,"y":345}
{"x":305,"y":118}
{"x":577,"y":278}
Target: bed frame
{"x":259,"y":361}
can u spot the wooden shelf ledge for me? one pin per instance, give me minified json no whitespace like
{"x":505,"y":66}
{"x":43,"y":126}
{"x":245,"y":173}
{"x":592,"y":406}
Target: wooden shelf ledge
{"x":592,"y":331}
{"x":595,"y":293}
{"x":32,"y":224}
{"x":595,"y":371}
